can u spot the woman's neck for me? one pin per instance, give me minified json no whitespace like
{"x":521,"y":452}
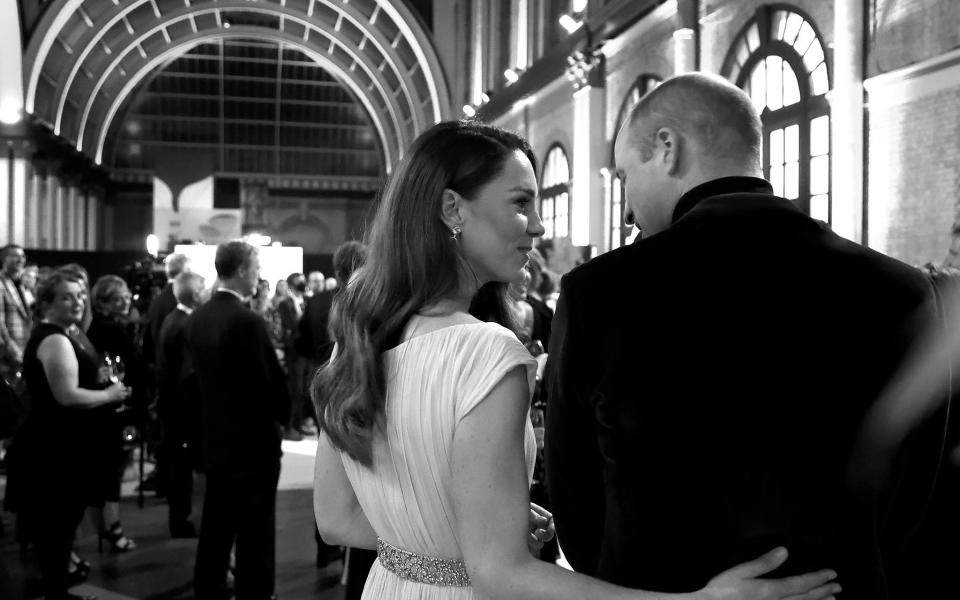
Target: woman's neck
{"x":58,"y":323}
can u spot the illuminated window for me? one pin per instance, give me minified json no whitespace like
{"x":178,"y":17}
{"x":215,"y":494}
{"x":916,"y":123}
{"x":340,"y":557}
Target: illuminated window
{"x":555,"y":194}
{"x":779,"y":60}
{"x":619,"y":233}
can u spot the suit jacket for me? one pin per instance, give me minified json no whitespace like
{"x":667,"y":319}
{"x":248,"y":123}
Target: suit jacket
{"x":16,"y":322}
{"x":178,"y":399}
{"x":161,"y":306}
{"x":289,"y":320}
{"x":244,"y":399}
{"x":705,"y":389}
{"x":313,"y":339}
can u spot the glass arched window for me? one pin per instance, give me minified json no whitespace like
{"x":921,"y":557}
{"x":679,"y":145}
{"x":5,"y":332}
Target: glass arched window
{"x":555,"y":194}
{"x":619,"y":233}
{"x":779,"y":60}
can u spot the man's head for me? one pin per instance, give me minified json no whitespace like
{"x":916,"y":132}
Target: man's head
{"x":188,"y":289}
{"x":689,"y":130}
{"x":348,"y":257}
{"x":315,"y":282}
{"x":297,"y":283}
{"x":14,"y":259}
{"x":238,"y":266}
{"x":175,"y":264}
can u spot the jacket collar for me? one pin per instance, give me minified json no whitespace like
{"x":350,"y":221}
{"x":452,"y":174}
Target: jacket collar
{"x":719,"y":187}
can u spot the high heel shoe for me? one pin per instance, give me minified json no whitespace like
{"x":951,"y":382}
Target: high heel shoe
{"x":116,"y":538}
{"x":78,"y":571}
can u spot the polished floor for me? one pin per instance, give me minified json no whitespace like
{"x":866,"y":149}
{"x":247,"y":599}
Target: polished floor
{"x":161,"y":568}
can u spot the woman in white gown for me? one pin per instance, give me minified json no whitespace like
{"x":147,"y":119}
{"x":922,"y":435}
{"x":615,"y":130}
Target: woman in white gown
{"x":426,"y":448}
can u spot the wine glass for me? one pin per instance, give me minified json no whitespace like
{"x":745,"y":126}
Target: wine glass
{"x":119,"y":368}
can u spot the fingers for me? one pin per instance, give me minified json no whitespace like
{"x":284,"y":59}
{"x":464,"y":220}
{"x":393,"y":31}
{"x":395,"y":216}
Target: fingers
{"x":766,"y":563}
{"x":823,"y":592}
{"x":541,"y":511}
{"x":800,"y":586}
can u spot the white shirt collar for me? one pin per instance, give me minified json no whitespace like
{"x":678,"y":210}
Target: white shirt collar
{"x":234,"y":292}
{"x":184,"y":308}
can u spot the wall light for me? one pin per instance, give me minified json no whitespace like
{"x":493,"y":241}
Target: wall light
{"x":153,"y":245}
{"x":10,"y":112}
{"x":469,"y":110}
{"x":512,"y":75}
{"x":570,"y":24}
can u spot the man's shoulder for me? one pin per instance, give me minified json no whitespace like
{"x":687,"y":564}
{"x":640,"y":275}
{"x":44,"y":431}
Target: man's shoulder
{"x":607,"y":271}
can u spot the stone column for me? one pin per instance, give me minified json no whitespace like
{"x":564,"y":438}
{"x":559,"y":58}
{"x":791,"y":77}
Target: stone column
{"x":846,"y":121}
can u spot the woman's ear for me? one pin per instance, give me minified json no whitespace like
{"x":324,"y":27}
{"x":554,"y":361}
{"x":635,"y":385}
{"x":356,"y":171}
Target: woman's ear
{"x":450,"y":208}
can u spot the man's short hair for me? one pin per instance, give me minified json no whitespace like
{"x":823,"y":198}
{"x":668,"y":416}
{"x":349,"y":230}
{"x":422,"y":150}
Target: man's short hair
{"x":232,"y":256}
{"x":708,"y":109}
{"x":292,"y":277}
{"x":184,"y":286}
{"x":175,"y":264}
{"x":348,"y":257}
{"x":7,"y":249}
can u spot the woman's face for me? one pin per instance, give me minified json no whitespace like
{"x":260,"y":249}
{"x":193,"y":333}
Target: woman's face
{"x":281,"y":289}
{"x":119,"y":303}
{"x":67,"y":305}
{"x":500,"y":222}
{"x":29,"y":278}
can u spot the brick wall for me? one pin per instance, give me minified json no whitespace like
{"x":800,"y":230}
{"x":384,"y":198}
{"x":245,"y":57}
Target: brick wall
{"x":914,"y":176}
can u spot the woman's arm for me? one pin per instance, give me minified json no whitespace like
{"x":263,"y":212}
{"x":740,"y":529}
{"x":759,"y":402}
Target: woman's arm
{"x":491,"y":502}
{"x":62,"y":371}
{"x":339,"y":517}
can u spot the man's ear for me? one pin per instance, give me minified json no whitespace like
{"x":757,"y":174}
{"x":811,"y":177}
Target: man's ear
{"x":669,"y":143}
{"x":450,"y":208}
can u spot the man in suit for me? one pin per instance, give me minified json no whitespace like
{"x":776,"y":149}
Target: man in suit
{"x":15,"y":319}
{"x":178,"y":404}
{"x":298,"y":365}
{"x":162,"y":305}
{"x":244,"y":405}
{"x":708,"y":380}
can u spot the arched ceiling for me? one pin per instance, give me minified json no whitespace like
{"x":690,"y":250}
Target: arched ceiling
{"x":257,"y":110}
{"x":87,"y":56}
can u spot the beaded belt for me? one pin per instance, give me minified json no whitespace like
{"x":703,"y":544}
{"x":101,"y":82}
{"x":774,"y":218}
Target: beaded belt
{"x":420,"y":568}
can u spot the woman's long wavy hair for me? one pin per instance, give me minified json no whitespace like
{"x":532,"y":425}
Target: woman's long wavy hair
{"x":412,"y":262}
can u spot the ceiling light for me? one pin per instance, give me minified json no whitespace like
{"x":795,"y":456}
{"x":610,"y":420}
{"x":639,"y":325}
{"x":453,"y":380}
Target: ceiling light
{"x":570,"y":24}
{"x":485,"y":96}
{"x":10,"y":111}
{"x":469,"y":110}
{"x":512,"y":75}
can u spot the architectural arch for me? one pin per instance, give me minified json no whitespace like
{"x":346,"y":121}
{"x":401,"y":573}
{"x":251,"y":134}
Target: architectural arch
{"x":555,"y":193}
{"x":779,"y":59}
{"x":92,"y":52}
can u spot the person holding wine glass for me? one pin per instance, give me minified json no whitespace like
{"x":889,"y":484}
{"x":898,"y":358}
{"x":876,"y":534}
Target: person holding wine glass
{"x":110,"y":298}
{"x":56,"y":452}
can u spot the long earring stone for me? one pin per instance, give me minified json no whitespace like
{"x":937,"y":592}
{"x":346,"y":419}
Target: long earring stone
{"x":456,"y":233}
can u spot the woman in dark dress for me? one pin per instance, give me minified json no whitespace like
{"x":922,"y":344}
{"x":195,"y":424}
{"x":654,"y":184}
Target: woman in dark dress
{"x":110,"y":335}
{"x":54,"y":447}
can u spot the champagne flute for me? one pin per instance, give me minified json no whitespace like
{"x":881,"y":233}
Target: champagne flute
{"x":119,"y":373}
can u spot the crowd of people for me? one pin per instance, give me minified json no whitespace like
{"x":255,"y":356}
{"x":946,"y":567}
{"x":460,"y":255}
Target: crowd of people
{"x":90,"y":375}
{"x":727,"y":408}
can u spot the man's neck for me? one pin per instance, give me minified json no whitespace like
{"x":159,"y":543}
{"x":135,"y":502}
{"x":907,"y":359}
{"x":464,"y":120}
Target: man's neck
{"x":12,"y":275}
{"x":234,"y":286}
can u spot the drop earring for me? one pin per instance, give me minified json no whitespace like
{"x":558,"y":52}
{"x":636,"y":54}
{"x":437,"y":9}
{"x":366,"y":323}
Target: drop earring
{"x":456,"y":230}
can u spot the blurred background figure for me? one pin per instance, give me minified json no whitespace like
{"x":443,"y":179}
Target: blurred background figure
{"x":28,"y":282}
{"x":330,"y":284}
{"x":113,"y":340}
{"x":15,"y":319}
{"x":315,"y":283}
{"x":178,"y":405}
{"x":297,"y":366}
{"x":162,"y":305}
{"x":280,"y":292}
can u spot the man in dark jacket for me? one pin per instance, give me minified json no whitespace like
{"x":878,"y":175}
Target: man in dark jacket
{"x":178,"y":404}
{"x":162,"y":305}
{"x":244,"y":408}
{"x":703,"y":407}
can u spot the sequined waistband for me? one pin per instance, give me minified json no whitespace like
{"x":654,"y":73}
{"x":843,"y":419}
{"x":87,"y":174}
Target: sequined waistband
{"x":420,"y":568}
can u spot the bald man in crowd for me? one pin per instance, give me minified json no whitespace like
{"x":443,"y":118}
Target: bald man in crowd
{"x":708,"y":380}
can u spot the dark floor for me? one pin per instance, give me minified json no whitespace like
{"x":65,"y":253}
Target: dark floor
{"x":162,"y":568}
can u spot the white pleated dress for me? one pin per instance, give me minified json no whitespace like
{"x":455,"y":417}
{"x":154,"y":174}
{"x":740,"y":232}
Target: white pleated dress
{"x":433,"y":381}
